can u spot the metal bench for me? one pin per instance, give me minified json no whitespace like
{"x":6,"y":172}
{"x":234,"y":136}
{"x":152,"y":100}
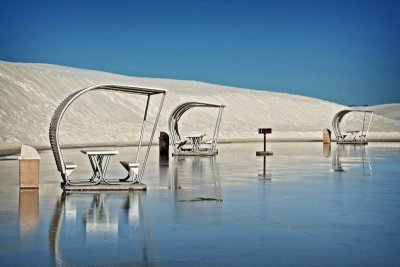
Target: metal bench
{"x":133,"y":171}
{"x":180,"y":144}
{"x":70,"y":167}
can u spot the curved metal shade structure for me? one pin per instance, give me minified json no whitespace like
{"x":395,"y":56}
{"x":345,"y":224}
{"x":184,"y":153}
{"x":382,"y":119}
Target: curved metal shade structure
{"x":357,"y":136}
{"x":180,"y":110}
{"x":63,"y":106}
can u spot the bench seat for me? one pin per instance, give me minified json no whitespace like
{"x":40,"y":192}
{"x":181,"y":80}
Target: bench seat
{"x":133,"y":170}
{"x":69,"y":168}
{"x":180,"y":144}
{"x":70,"y":165}
{"x":129,"y":164}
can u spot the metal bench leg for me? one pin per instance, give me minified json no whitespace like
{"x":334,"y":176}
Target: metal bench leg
{"x":132,"y":172}
{"x":126,"y":178}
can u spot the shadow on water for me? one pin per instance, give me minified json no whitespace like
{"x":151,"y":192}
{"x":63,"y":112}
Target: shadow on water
{"x":91,"y":228}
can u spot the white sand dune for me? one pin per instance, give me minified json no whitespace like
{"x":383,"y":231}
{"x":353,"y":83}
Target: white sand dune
{"x":29,"y":94}
{"x":390,"y":111}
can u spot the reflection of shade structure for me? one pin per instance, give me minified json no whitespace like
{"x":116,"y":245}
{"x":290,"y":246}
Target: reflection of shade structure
{"x":346,"y":157}
{"x":179,"y":163}
{"x":194,"y":171}
{"x":101,"y":223}
{"x":28,"y":209}
{"x":199,"y":199}
{"x":99,"y":219}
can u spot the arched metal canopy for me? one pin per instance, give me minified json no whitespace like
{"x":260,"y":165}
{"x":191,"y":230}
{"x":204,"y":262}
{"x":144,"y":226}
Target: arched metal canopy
{"x":63,"y":106}
{"x":181,"y":109}
{"x":354,"y":136}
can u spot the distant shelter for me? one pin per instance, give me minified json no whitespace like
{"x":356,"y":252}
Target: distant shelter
{"x":354,"y":129}
{"x":192,"y":143}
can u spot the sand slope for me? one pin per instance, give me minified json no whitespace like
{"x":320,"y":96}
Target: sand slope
{"x":29,"y":94}
{"x":390,"y":111}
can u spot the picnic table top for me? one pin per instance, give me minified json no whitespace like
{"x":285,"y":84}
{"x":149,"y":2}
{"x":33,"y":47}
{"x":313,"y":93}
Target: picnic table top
{"x":99,"y":152}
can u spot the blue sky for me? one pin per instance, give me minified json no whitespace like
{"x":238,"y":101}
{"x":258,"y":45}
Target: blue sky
{"x":342,"y":51}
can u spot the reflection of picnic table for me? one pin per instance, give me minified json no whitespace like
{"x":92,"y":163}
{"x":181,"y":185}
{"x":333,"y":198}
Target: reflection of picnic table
{"x":195,"y":138}
{"x":99,"y":160}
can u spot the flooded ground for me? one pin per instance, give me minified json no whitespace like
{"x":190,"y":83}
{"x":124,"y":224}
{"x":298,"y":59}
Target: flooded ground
{"x":313,"y":205}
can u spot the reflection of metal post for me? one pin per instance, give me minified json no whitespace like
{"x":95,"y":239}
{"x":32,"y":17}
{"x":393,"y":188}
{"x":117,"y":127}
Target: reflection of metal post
{"x":365,"y":160}
{"x":174,"y":180}
{"x":265,"y":163}
{"x":336,"y":164}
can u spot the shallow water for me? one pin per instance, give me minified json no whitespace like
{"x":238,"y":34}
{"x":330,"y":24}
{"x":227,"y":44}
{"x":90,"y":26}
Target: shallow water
{"x":315,"y":206}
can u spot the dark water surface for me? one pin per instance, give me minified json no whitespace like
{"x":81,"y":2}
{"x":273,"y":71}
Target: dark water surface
{"x":315,"y":206}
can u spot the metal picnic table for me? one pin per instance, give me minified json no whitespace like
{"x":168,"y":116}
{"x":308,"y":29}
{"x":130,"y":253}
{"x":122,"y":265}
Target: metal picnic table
{"x":99,"y":160}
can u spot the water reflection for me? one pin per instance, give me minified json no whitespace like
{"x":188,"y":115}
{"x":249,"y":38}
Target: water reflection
{"x":199,"y":198}
{"x":326,"y":150}
{"x":92,"y":228}
{"x":306,"y":205}
{"x":163,"y":167}
{"x":266,"y":171}
{"x":194,"y":170}
{"x":28,"y":211}
{"x":98,"y":218}
{"x":349,"y":156}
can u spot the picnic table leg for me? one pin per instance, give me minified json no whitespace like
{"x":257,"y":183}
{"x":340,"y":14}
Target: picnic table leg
{"x":97,"y":168}
{"x":105,"y":166}
{"x":196,"y":144}
{"x":93,"y":163}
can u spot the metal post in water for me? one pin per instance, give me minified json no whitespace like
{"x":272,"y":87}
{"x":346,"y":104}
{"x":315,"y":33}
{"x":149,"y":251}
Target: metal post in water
{"x":264,"y":153}
{"x":264,"y":131}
